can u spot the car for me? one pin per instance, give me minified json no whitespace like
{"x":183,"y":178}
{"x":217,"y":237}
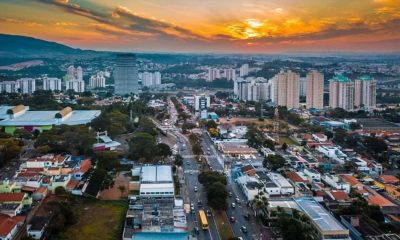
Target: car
{"x":246,"y":216}
{"x":187,"y":162}
{"x":192,"y":210}
{"x":244,"y":229}
{"x":195,"y":189}
{"x":191,"y":205}
{"x":191,"y":173}
{"x":232,"y":219}
{"x":237,"y":200}
{"x":230,"y":194}
{"x":208,"y":213}
{"x":199,"y":204}
{"x":233,"y":205}
{"x":196,"y":230}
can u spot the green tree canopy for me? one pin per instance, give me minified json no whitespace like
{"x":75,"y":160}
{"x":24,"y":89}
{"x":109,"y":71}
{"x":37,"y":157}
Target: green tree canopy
{"x":274,"y":162}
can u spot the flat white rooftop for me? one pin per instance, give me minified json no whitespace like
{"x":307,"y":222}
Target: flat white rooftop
{"x":157,"y":174}
{"x":321,"y":217}
{"x":43,"y":118}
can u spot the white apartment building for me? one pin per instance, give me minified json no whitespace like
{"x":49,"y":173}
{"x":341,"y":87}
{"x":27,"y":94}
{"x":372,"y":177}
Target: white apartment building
{"x":315,"y":90}
{"x":53,"y":84}
{"x":252,"y":89}
{"x":244,"y":70}
{"x":97,"y":81}
{"x":213,"y":73}
{"x":27,"y":85}
{"x":76,"y":85}
{"x":79,"y":73}
{"x":286,"y":89}
{"x":365,"y":92}
{"x":201,"y":102}
{"x":230,"y":74}
{"x":150,"y":79}
{"x":341,"y":93}
{"x":9,"y":86}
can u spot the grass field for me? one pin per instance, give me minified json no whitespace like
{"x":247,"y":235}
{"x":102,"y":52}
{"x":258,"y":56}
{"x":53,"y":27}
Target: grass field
{"x":223,"y":225}
{"x":287,"y":140}
{"x":97,"y":220}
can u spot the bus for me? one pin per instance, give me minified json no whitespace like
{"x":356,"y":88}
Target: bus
{"x":203,"y":220}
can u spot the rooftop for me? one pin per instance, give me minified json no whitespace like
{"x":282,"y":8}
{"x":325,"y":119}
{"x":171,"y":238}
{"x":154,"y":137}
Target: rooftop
{"x":340,"y":78}
{"x":322,"y":218}
{"x":156,"y":174}
{"x":43,"y":118}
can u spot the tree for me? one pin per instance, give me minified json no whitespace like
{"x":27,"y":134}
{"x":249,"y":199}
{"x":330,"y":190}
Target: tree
{"x":211,"y":124}
{"x":178,"y":160}
{"x":254,"y":137}
{"x":163,"y":150}
{"x":208,"y":177}
{"x":217,"y":196}
{"x":274,"y":162}
{"x":213,"y":132}
{"x":375,"y":145}
{"x":107,"y":160}
{"x":143,"y":147}
{"x":59,"y":191}
{"x":284,"y":146}
{"x":122,"y":189}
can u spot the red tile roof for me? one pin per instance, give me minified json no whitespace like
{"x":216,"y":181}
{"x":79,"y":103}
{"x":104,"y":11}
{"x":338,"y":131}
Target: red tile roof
{"x":389,"y":179}
{"x":85,"y":165}
{"x":72,"y":184}
{"x":7,"y":224}
{"x":351,"y":180}
{"x":42,"y":190}
{"x":28,"y":189}
{"x":295,"y":177}
{"x":339,"y":195}
{"x":379,"y":200}
{"x":11,"y":197}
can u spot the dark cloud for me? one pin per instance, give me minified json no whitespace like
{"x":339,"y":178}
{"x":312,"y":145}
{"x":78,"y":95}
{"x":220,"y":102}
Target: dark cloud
{"x":124,"y":19}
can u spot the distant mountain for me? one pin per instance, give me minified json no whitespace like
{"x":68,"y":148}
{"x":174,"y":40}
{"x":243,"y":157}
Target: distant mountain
{"x":22,"y":46}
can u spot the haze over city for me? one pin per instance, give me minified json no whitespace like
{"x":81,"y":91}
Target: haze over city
{"x":254,"y":26}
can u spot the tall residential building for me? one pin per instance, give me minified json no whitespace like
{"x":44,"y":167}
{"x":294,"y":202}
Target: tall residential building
{"x":27,"y":85}
{"x":126,"y":74}
{"x":365,"y":92}
{"x":9,"y":86}
{"x":53,"y":84}
{"x":213,"y":73}
{"x":150,"y":79}
{"x":315,"y":90}
{"x":341,"y":93}
{"x":76,"y":85}
{"x":97,"y":81}
{"x":244,"y":70}
{"x":71,"y":70}
{"x":286,"y":89}
{"x":201,"y":102}
{"x":230,"y":74}
{"x":252,"y":89}
{"x":79,"y":73}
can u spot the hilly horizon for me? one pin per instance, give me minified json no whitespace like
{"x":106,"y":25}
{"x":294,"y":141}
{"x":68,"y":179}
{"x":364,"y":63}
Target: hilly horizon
{"x":24,"y":46}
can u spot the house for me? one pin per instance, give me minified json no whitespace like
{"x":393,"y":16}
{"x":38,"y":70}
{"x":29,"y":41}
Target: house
{"x":248,"y":170}
{"x":15,"y":198}
{"x":276,"y":184}
{"x":82,"y":168}
{"x":47,"y":161}
{"x":312,"y":174}
{"x":37,"y":226}
{"x":336,"y":183}
{"x":9,"y":226}
{"x":320,"y":137}
{"x":297,"y":177}
{"x":11,"y":209}
{"x":59,"y":181}
{"x":337,"y":198}
{"x":40,"y":193}
{"x":389,"y":179}
{"x":249,"y":186}
{"x":333,"y":153}
{"x":353,"y":182}
{"x":7,"y":186}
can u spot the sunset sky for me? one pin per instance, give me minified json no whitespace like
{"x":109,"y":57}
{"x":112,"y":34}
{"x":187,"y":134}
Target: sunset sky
{"x":251,"y":26}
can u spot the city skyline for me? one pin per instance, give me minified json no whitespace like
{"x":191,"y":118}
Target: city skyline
{"x":208,"y":26}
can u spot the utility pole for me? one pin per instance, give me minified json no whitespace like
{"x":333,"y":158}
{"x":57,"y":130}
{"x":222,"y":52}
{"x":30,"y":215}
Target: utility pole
{"x":276,"y":125}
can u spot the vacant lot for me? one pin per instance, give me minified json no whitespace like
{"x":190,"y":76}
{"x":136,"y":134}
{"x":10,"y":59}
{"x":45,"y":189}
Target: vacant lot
{"x":97,"y":220}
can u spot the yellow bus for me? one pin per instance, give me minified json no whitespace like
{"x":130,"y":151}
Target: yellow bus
{"x":203,"y":220}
